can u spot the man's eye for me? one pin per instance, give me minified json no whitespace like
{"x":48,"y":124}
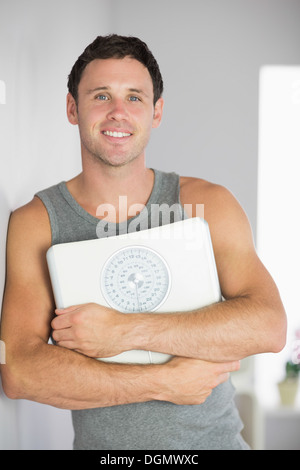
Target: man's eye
{"x":134,"y":98}
{"x":101,"y":97}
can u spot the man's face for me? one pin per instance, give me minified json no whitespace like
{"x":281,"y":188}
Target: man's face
{"x":115,"y":110}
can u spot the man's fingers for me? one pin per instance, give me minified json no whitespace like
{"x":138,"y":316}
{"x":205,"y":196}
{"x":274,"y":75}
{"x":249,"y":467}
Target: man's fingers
{"x":68,"y":345}
{"x":71,"y":308}
{"x":236,"y":366}
{"x":229,"y":366}
{"x":223,"y":378}
{"x":64,"y":334}
{"x":61,"y":322}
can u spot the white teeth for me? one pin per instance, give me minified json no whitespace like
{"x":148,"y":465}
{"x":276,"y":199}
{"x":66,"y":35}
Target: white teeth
{"x":116,"y":134}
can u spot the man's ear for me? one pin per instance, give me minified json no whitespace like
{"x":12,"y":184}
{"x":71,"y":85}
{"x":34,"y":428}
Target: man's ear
{"x":158,"y":110}
{"x":72,"y":109}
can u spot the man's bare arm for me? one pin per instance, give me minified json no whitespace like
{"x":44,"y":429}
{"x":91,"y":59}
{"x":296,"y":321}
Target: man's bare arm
{"x":42,"y":372}
{"x":251,"y":320}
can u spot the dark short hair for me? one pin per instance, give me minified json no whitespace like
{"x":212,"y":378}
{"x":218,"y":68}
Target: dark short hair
{"x":115,"y":46}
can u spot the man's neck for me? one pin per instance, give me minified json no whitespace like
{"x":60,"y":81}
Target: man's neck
{"x":99,"y":185}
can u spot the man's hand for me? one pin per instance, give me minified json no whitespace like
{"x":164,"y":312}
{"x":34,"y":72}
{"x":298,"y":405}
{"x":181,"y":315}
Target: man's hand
{"x":186,"y":381}
{"x":90,"y":329}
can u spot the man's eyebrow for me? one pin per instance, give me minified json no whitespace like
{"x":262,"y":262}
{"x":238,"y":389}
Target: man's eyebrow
{"x":136,"y":90}
{"x":106,"y":88}
{"x":99,"y":88}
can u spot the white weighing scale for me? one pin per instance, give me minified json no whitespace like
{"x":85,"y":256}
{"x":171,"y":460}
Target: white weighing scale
{"x":162,"y":269}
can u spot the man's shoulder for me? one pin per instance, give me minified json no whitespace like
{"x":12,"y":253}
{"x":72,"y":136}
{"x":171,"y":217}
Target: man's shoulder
{"x":218,"y":202}
{"x":30,"y":219}
{"x":32,"y":209}
{"x":36,"y":207}
{"x":198,"y":190}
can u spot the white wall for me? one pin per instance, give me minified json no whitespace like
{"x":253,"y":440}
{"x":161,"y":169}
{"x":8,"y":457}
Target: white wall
{"x":210,"y":54}
{"x":279,"y":195}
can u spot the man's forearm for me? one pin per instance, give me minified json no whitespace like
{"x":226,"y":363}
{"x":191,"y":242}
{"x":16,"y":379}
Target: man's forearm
{"x":66,"y":379}
{"x":59,"y":377}
{"x":227,"y":331}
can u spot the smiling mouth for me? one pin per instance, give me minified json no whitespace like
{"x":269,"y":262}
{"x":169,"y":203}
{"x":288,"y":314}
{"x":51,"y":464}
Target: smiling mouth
{"x":119,"y":135}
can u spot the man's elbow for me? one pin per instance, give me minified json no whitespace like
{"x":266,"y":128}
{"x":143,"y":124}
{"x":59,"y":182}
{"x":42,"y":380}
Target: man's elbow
{"x":10,"y":383}
{"x":278,"y":332}
{"x":15,"y":380}
{"x":279,"y":343}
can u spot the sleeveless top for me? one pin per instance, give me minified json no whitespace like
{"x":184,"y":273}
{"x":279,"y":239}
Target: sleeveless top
{"x":153,"y":425}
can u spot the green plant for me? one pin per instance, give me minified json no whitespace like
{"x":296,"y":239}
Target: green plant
{"x":292,"y":370}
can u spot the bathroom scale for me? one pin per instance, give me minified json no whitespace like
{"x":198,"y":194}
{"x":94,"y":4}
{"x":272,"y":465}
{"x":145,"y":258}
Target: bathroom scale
{"x":170,"y":268}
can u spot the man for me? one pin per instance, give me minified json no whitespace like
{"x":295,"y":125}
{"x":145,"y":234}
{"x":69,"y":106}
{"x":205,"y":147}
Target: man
{"x":115,"y":98}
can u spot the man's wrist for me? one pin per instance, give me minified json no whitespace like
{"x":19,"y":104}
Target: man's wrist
{"x":134,"y":333}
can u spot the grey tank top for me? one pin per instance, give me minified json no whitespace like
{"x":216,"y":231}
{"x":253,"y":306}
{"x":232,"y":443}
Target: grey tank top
{"x":155,"y":424}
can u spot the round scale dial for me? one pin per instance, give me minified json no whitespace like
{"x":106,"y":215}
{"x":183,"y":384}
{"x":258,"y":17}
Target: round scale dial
{"x":135,"y":279}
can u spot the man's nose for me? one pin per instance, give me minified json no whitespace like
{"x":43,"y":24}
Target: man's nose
{"x":118,"y":110}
